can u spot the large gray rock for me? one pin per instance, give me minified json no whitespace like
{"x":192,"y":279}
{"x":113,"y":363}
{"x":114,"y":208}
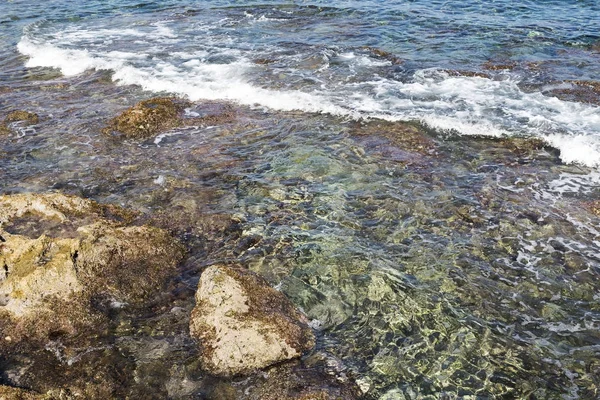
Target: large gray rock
{"x":243,"y":324}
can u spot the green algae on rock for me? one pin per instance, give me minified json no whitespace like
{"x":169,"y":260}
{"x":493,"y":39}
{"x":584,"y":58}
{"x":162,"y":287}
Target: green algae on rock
{"x":243,"y":324}
{"x":160,"y":114}
{"x":25,"y":117}
{"x":59,"y":251}
{"x":20,"y":115}
{"x":148,"y":117}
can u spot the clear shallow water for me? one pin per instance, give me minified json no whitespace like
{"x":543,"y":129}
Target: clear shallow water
{"x":432,"y":263}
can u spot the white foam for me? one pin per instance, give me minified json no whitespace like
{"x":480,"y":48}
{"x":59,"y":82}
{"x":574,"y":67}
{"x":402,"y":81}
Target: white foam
{"x":70,"y":62}
{"x":164,"y":31}
{"x":584,"y":149}
{"x":262,"y":18}
{"x":363,"y":61}
{"x":451,"y":124}
{"x":464,"y":105}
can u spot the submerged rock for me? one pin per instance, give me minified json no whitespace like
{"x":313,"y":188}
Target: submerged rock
{"x":57,"y":252}
{"x":289,"y":381}
{"x":386,"y":55}
{"x":20,"y":115}
{"x":243,"y":324}
{"x":594,"y":207}
{"x":577,"y":90}
{"x":148,"y":117}
{"x":26,"y":117}
{"x":157,"y":115}
{"x":401,"y":135}
{"x":468,"y":74}
{"x":505,"y":65}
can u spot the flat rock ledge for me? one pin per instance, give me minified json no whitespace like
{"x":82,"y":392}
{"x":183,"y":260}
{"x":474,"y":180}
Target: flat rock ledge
{"x":58,"y":251}
{"x":243,"y":324}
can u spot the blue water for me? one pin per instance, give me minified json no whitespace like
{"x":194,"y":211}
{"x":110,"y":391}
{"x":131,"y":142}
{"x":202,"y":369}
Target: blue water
{"x":476,"y":68}
{"x":444,"y":34}
{"x":458,"y":269}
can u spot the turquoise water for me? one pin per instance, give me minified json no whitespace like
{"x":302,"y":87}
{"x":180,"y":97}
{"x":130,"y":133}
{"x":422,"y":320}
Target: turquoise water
{"x":378,"y":171}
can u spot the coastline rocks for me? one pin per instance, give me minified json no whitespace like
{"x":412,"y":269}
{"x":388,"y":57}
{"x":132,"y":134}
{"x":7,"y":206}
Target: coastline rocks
{"x":58,"y":251}
{"x":243,"y":324}
{"x":148,"y":117}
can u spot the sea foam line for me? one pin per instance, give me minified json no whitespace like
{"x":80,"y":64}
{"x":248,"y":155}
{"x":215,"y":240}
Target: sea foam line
{"x":465,"y":105}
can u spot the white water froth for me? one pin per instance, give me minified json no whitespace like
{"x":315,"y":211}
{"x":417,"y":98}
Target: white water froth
{"x":463,"y":105}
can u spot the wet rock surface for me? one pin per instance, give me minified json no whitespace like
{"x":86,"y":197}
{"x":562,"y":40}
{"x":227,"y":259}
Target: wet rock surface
{"x":57,"y":252}
{"x":243,"y":324}
{"x":290,"y":381}
{"x":385,"y":55}
{"x":161,"y":114}
{"x":24,"y":117}
{"x":577,"y":90}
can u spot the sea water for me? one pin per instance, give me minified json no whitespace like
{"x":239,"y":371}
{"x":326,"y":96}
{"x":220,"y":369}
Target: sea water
{"x":439,"y":263}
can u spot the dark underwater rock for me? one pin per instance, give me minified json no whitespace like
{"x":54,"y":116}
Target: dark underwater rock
{"x":11,"y":393}
{"x":386,"y":55}
{"x":290,"y":381}
{"x":160,"y":114}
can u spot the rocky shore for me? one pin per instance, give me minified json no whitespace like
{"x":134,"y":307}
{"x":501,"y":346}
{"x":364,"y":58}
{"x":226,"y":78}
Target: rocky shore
{"x":200,"y":252}
{"x":72,"y":267}
{"x":59,"y":254}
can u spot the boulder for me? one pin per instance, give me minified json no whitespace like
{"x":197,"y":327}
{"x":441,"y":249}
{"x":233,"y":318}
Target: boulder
{"x":243,"y":324}
{"x":148,"y":117}
{"x":160,"y":114}
{"x":57,"y":252}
